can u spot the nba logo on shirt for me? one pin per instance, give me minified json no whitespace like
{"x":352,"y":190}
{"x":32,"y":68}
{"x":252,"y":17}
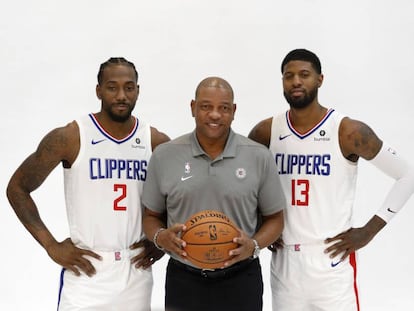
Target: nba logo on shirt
{"x":187,"y":168}
{"x":118,"y":256}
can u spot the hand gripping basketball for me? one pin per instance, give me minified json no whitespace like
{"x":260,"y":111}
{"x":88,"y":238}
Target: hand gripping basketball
{"x":209,"y":238}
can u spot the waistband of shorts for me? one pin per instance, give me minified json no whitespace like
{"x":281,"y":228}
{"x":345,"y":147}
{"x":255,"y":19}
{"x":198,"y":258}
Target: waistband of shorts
{"x":118,"y":255}
{"x":214,"y":273}
{"x":308,"y":247}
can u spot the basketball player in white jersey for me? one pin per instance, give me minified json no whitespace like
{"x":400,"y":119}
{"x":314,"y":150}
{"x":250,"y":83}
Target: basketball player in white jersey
{"x":107,"y":260}
{"x":317,"y":150}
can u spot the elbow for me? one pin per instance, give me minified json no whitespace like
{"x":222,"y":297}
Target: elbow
{"x":10,"y":192}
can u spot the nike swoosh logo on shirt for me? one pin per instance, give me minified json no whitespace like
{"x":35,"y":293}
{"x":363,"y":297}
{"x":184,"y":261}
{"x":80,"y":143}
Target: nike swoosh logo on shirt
{"x":283,"y":137}
{"x":186,"y":177}
{"x":390,"y":210}
{"x":94,"y":142}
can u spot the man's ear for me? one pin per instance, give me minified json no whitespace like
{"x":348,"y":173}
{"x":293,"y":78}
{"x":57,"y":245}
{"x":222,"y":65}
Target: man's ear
{"x":193,"y":106}
{"x":320,"y":80}
{"x":98,"y":91}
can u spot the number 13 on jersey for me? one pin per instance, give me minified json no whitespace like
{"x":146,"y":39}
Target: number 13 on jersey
{"x":300,"y":192}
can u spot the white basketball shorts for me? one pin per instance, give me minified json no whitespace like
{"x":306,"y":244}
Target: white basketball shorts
{"x":304,"y":278}
{"x":117,"y":285}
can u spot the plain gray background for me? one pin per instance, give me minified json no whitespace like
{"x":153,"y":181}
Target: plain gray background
{"x":51,"y":52}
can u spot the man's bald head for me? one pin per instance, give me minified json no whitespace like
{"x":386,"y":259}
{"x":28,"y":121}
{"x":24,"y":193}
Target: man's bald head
{"x":215,"y":82}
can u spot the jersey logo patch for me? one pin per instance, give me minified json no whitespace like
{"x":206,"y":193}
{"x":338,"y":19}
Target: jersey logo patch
{"x":392,"y":151}
{"x":137,"y":144}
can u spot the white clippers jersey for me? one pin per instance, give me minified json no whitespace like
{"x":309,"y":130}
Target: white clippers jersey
{"x":104,"y":185}
{"x":318,"y":182}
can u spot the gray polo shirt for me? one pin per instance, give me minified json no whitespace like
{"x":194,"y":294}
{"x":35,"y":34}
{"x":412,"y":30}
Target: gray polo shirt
{"x":183,"y":180}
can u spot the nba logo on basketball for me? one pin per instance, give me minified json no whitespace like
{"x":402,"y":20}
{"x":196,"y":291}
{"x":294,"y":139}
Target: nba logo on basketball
{"x":209,"y":238}
{"x":213,"y":232}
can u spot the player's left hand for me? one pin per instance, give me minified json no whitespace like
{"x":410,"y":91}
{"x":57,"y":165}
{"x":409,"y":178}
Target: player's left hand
{"x":148,"y":256}
{"x":347,"y":242}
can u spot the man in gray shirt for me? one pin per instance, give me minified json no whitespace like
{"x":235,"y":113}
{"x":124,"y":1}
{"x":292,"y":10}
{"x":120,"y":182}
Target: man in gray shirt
{"x":213,"y":168}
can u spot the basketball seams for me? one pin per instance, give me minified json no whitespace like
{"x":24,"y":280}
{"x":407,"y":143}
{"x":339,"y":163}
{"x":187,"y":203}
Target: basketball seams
{"x":212,"y":244}
{"x":209,"y":222}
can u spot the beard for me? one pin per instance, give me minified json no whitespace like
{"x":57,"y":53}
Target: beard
{"x":301,"y":102}
{"x":119,"y":117}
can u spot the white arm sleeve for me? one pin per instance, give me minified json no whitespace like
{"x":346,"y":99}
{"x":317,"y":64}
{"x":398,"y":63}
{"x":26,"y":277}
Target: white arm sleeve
{"x":388,"y":161}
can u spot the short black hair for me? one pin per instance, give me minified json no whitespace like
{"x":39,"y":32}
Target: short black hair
{"x":303,"y":55}
{"x":114,"y":61}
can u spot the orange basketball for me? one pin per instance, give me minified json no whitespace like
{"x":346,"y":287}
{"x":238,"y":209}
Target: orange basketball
{"x":209,"y":237}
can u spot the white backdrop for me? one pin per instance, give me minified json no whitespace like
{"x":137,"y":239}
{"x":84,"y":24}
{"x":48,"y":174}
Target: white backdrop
{"x":51,"y":51}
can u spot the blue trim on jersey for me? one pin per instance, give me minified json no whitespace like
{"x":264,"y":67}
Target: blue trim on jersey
{"x":60,"y":286}
{"x":107,"y":135}
{"x":312,"y":130}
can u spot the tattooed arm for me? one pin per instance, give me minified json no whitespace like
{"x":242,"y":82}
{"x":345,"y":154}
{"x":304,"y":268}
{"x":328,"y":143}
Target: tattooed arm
{"x":61,"y":145}
{"x":356,"y":140}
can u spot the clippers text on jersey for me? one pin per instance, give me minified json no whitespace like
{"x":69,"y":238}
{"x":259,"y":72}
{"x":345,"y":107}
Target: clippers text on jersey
{"x":309,"y":164}
{"x":117,"y":169}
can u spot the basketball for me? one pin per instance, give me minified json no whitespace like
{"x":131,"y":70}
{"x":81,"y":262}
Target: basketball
{"x":209,"y":238}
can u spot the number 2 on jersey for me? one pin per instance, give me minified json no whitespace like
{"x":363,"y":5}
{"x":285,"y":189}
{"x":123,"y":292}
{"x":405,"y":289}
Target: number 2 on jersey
{"x":122,"y":188}
{"x":300,"y":192}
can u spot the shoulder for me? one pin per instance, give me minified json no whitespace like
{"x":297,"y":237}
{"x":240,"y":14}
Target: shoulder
{"x":157,"y":137}
{"x":184,"y":139}
{"x":64,"y":135}
{"x":176,"y":143}
{"x":68,"y":140}
{"x":60,"y":144}
{"x":245,"y":149}
{"x":251,"y":145}
{"x":351,"y":127}
{"x":261,"y":132}
{"x":357,"y":139}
